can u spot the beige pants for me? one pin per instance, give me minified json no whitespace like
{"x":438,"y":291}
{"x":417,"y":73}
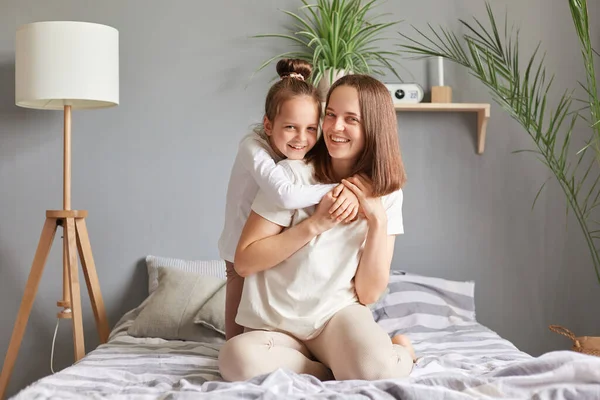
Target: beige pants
{"x":351,"y":346}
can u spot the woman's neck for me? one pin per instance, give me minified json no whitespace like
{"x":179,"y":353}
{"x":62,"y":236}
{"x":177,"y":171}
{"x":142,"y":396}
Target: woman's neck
{"x":342,"y":168}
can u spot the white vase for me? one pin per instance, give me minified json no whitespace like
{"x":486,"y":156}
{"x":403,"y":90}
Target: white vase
{"x":325,"y":83}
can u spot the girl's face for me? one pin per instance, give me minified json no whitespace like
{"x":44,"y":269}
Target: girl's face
{"x":342,"y":126}
{"x":294,"y":131}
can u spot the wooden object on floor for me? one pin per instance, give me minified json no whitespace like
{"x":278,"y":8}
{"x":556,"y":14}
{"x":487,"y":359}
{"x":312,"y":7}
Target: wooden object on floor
{"x":581,"y":344}
{"x":64,"y":65}
{"x":77,"y":242}
{"x":482,"y":110}
{"x":441,"y":94}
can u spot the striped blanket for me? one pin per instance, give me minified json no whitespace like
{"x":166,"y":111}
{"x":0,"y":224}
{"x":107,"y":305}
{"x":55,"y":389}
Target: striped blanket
{"x":458,"y":358}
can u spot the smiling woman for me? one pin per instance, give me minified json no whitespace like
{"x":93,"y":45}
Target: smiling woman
{"x":357,"y":104}
{"x":309,"y":314}
{"x":343,"y":130}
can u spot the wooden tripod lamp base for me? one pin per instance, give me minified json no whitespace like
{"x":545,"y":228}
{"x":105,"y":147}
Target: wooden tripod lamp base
{"x":64,"y":65}
{"x":76,"y":241}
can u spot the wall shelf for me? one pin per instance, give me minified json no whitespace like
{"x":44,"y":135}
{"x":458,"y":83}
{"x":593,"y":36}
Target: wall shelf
{"x":482,"y":110}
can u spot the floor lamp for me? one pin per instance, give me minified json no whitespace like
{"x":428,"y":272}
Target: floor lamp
{"x":64,"y":65}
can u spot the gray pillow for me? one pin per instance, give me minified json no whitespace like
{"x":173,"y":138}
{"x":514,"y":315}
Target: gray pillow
{"x":204,"y":267}
{"x":212,"y":314}
{"x":171,"y":308}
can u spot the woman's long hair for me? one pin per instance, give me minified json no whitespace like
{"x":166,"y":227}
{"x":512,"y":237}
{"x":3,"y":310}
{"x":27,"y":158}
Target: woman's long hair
{"x":381,"y":159}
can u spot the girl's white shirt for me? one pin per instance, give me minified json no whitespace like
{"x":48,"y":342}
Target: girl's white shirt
{"x":255,"y":167}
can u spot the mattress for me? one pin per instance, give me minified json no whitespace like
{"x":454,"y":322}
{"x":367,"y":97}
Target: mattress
{"x":459,"y":361}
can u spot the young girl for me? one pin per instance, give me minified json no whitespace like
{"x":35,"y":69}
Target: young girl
{"x":308,"y":278}
{"x":289,"y":130}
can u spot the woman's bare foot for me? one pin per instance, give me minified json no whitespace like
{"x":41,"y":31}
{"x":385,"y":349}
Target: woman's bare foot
{"x":405,"y":342}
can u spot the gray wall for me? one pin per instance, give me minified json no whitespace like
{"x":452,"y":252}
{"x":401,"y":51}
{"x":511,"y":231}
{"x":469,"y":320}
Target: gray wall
{"x":153,"y":171}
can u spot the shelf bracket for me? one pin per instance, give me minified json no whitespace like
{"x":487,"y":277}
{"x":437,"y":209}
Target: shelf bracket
{"x":483,"y":116}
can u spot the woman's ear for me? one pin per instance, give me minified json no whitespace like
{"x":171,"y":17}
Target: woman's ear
{"x":268,"y":126}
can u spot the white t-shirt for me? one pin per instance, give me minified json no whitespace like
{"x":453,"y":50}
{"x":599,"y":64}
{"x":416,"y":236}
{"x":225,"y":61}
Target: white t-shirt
{"x":299,"y":295}
{"x":255,"y":168}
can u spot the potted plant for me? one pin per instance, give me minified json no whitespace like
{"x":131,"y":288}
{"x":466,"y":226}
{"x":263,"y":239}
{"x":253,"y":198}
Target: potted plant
{"x":494,"y":57}
{"x":337,"y":37}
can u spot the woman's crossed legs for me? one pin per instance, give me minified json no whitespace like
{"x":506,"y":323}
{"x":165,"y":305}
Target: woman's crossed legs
{"x":351,"y":346}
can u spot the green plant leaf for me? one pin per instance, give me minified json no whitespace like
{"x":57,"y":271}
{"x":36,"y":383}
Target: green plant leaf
{"x":496,"y":62}
{"x":340,"y":34}
{"x":538,"y":193}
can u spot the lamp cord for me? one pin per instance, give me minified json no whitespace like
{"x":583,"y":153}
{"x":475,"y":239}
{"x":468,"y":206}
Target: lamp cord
{"x":67,"y":310}
{"x":52,"y":352}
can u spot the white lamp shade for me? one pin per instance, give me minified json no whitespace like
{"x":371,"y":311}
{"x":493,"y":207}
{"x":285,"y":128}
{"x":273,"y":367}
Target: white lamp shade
{"x":62,"y":63}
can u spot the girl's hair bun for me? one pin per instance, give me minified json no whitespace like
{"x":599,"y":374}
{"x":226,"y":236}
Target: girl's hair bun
{"x":294,"y":68}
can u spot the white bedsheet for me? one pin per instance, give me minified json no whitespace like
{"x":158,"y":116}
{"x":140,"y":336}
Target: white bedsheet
{"x":463,"y":361}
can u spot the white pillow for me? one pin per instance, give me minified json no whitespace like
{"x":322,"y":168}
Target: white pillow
{"x":429,"y":302}
{"x":214,"y":268}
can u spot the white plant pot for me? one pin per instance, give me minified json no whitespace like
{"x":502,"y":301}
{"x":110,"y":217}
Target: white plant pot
{"x":325,"y":83}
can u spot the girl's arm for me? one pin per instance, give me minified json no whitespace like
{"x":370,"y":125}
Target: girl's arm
{"x":372,"y":275}
{"x":263,"y":245}
{"x":274,"y":182}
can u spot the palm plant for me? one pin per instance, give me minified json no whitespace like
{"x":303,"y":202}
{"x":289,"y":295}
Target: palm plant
{"x":524,"y":93}
{"x":337,"y":35}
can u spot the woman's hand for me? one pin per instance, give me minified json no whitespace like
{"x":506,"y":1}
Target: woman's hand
{"x":346,"y":205}
{"x":371,"y":207}
{"x":322,"y":220}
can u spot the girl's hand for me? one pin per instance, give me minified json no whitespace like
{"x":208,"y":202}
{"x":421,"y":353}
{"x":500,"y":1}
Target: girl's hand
{"x":345,"y":208}
{"x":321,"y":220}
{"x":371,"y":207}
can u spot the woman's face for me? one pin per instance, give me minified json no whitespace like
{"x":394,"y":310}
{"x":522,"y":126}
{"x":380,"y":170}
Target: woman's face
{"x":342,"y":126}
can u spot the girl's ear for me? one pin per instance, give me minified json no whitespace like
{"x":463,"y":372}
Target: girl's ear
{"x":268,"y":126}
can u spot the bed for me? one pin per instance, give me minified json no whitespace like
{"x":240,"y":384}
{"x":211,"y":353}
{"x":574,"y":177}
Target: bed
{"x":458,"y":358}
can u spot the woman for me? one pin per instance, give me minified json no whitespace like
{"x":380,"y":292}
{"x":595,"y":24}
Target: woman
{"x":307,"y":276}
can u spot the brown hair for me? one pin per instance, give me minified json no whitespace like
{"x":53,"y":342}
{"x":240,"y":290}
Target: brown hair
{"x":294,"y":76}
{"x":380,"y":160}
